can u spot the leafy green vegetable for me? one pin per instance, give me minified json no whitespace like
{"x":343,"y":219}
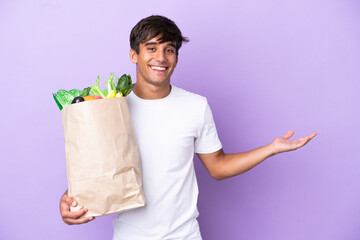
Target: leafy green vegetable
{"x":96,"y":89}
{"x":124,"y":84}
{"x":105,"y":92}
{"x":85,"y":92}
{"x":64,"y":98}
{"x":75,"y":92}
{"x":57,"y":102}
{"x":110,"y":84}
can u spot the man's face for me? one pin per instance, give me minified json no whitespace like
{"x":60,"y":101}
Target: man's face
{"x":155,"y":62}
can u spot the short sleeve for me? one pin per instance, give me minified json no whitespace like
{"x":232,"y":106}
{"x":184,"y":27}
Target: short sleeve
{"x":208,"y":140}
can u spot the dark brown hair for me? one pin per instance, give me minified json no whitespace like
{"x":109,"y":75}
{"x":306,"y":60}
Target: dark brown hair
{"x":153,"y":26}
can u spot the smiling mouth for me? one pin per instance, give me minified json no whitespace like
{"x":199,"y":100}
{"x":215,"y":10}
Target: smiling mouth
{"x":158,"y":68}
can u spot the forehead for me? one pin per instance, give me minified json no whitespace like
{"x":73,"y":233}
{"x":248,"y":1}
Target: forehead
{"x":158,"y":41}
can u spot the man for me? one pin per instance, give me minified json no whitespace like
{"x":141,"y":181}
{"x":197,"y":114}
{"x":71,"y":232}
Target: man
{"x":170,"y":125}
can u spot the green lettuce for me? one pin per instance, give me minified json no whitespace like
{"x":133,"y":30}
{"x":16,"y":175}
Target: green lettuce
{"x":124,"y":85}
{"x":64,"y":98}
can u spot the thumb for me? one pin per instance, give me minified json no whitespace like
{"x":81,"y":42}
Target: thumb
{"x":289,"y":134}
{"x":68,"y":200}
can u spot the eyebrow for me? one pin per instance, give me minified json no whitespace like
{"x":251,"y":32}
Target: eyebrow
{"x":156,"y":43}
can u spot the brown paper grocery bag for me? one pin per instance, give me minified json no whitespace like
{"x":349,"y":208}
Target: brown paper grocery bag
{"x":102,"y":157}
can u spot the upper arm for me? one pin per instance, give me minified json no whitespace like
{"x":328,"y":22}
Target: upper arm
{"x":212,"y":161}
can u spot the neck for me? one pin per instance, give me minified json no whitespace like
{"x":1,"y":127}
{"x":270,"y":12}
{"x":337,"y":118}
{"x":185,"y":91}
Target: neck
{"x":147,"y":91}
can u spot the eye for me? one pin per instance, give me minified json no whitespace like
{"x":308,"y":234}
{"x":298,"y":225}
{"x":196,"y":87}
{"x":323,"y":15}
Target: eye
{"x":170,"y":50}
{"x":151,"y":49}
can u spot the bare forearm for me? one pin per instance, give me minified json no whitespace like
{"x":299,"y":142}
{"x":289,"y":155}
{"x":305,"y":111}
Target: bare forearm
{"x":221,"y":165}
{"x":236,"y":163}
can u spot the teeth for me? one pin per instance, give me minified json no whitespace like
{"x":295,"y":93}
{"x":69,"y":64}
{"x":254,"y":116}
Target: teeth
{"x":158,"y":68}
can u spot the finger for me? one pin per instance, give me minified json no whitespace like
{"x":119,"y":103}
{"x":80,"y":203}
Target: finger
{"x":73,"y":215}
{"x":306,"y":139}
{"x":313,"y":135}
{"x":69,"y":201}
{"x":289,"y":134}
{"x":302,"y":141}
{"x":65,"y":205}
{"x":310,"y":137}
{"x":78,"y":221}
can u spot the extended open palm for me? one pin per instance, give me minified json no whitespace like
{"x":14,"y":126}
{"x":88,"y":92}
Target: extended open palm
{"x":283,"y":144}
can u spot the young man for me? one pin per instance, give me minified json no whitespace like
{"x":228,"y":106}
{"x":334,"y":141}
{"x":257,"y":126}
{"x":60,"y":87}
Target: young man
{"x":170,"y":125}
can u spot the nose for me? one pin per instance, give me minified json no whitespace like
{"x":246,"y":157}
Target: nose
{"x":160,"y":56}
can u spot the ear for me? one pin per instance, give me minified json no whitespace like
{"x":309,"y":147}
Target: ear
{"x":133,"y":56}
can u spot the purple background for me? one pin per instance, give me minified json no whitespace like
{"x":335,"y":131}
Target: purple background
{"x":265,"y":66}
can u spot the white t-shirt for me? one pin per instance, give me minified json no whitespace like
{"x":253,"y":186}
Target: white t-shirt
{"x":168,"y":132}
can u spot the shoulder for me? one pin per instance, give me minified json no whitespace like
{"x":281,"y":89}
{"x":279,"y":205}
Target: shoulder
{"x":184,"y":95}
{"x":190,"y":107}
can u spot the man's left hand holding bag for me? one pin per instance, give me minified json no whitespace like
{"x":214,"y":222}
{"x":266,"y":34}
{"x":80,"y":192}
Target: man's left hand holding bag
{"x":69,"y":217}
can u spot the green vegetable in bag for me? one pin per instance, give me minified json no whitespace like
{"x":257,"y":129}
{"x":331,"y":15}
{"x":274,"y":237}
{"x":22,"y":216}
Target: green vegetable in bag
{"x":96,"y":89}
{"x":64,"y":98}
{"x":123,"y":87}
